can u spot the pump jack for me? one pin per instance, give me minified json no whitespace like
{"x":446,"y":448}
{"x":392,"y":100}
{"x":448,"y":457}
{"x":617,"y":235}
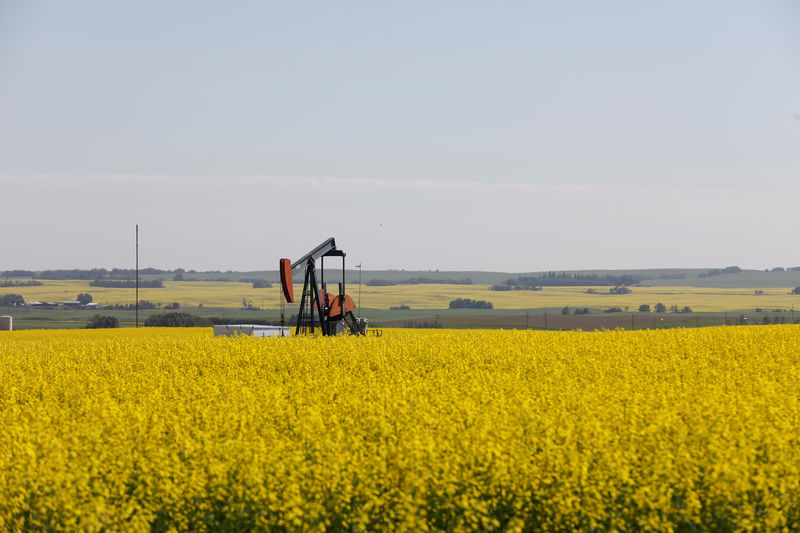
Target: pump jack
{"x":334,"y":312}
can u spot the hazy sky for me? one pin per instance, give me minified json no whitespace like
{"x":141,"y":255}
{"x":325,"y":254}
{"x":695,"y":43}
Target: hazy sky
{"x":512,"y":136}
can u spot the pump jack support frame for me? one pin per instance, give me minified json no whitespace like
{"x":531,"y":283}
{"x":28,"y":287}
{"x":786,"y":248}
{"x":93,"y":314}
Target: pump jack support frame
{"x":314,"y":299}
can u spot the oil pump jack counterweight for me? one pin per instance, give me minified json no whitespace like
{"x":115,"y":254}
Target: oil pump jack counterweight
{"x":334,"y":312}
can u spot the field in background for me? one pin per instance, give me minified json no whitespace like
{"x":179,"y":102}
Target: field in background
{"x":426,"y":296}
{"x":689,"y":430}
{"x":429,"y":305}
{"x":693,"y":277}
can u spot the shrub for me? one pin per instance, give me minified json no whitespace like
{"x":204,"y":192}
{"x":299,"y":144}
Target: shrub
{"x":424,"y":325}
{"x":644,"y":308}
{"x":619,"y":290}
{"x":102,"y":321}
{"x":176,"y":320}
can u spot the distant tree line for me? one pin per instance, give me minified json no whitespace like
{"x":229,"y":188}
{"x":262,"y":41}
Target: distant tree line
{"x":402,"y":307}
{"x":612,"y":290}
{"x":102,"y":321}
{"x":95,"y":273}
{"x":176,"y":320}
{"x":568,"y":279}
{"x":216,"y":320}
{"x":720,"y":271}
{"x":103,"y":273}
{"x":417,"y":281}
{"x":257,"y":283}
{"x":21,"y":283}
{"x":505,"y":286}
{"x":467,"y":303}
{"x":435,"y":324}
{"x":19,"y":274}
{"x":143,"y":304}
{"x":127,"y":283}
{"x":187,"y":320}
{"x":578,"y":311}
{"x":661,"y":308}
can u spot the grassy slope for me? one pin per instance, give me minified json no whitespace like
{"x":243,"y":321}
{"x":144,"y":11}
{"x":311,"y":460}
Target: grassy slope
{"x":744,"y":279}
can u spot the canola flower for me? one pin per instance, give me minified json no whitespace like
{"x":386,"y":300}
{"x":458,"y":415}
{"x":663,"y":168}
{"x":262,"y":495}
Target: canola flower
{"x":158,"y":429}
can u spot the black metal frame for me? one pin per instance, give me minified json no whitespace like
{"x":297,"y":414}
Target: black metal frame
{"x":311,"y":302}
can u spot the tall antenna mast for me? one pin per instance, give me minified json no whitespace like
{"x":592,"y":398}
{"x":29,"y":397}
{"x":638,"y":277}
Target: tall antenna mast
{"x":137,"y":275}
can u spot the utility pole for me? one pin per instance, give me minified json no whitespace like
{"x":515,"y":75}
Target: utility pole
{"x":359,"y":287}
{"x":526,"y":320}
{"x":545,"y":319}
{"x":137,"y":275}
{"x":632,"y":325}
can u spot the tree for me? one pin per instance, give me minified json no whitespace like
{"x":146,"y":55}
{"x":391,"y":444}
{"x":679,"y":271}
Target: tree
{"x":796,"y":290}
{"x":12,"y":299}
{"x":84,"y":298}
{"x":686,"y":309}
{"x":468,"y":303}
{"x":565,"y":310}
{"x":178,"y":276}
{"x":661,"y":308}
{"x":644,"y":308}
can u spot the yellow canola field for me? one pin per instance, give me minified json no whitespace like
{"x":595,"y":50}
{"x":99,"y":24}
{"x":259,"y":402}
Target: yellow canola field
{"x":137,"y":430}
{"x":433,"y":296}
